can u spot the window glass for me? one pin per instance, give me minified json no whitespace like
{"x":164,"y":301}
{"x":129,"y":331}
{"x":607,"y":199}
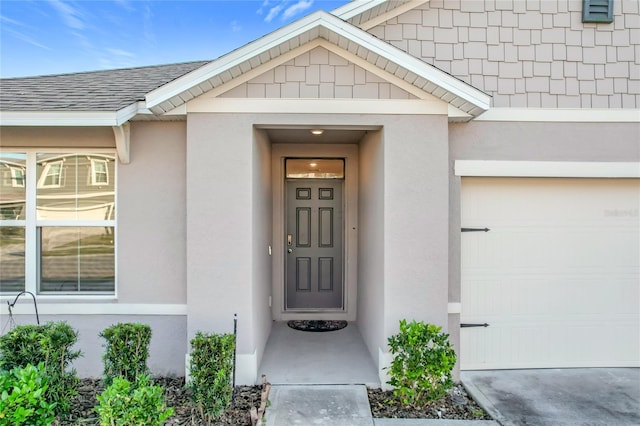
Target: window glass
{"x":12,"y":251}
{"x":314,"y":168}
{"x":12,"y":185}
{"x":75,"y":187}
{"x":76,"y":259}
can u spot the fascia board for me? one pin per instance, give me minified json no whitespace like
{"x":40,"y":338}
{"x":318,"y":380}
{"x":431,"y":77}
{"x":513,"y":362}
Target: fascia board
{"x":58,"y":118}
{"x":68,"y":118}
{"x":382,"y":18}
{"x":355,"y":8}
{"x":339,"y":27}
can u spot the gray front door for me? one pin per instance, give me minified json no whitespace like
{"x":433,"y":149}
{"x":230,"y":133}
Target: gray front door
{"x":313,"y":244}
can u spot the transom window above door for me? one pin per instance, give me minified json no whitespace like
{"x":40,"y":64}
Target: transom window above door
{"x":314,"y":168}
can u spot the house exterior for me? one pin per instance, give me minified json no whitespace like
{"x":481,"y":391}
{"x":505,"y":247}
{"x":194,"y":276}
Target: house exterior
{"x":180,"y":195}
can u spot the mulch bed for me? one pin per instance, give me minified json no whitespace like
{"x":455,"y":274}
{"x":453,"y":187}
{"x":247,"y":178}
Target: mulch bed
{"x":176,"y":396}
{"x":456,"y":405}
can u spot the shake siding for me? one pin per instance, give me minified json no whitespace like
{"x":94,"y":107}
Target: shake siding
{"x":535,"y":54}
{"x":318,"y":74}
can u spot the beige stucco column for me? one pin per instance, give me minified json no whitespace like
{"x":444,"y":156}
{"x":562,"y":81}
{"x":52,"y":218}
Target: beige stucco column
{"x":219,"y":231}
{"x":416,"y":222}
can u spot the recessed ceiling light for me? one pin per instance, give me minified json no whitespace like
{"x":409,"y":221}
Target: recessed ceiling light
{"x":317,"y":131}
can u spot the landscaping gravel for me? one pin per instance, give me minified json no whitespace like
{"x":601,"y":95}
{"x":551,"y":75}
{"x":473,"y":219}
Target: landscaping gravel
{"x":176,"y":397}
{"x":456,"y":405}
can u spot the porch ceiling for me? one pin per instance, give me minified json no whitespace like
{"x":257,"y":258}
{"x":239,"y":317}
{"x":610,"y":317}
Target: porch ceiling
{"x":320,"y":25}
{"x":330,"y":136}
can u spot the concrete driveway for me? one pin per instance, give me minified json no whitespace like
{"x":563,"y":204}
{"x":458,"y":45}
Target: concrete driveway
{"x":577,"y":396}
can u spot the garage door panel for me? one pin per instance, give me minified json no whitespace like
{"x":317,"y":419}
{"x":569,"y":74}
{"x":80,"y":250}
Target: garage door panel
{"x":557,"y":277}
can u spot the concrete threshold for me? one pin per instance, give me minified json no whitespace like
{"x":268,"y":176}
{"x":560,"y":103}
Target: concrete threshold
{"x":330,"y":405}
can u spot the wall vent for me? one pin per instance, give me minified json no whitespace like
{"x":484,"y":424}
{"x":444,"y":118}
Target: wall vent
{"x":597,"y":11}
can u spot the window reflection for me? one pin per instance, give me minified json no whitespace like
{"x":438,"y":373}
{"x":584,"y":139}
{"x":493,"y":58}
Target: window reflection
{"x":75,"y":187}
{"x":12,"y":185}
{"x":312,"y":168}
{"x":77,"y":259}
{"x":12,"y":271}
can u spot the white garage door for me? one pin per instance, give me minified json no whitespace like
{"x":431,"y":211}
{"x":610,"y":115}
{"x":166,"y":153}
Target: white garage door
{"x":557,"y":277}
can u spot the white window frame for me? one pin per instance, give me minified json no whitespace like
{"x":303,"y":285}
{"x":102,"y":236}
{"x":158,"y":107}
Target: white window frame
{"x":95,"y":173}
{"x":46,"y":173}
{"x":15,"y":178}
{"x":31,"y":224}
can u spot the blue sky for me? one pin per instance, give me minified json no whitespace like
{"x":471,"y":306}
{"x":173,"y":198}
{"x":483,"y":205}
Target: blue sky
{"x":39,"y":37}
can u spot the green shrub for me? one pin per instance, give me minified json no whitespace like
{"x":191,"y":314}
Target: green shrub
{"x":50,"y":344}
{"x":127,"y":350}
{"x":422,"y":363}
{"x":127,"y":404}
{"x":21,"y":397}
{"x":211,"y":367}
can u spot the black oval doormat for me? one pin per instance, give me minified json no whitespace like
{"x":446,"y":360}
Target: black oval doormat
{"x":316,"y":325}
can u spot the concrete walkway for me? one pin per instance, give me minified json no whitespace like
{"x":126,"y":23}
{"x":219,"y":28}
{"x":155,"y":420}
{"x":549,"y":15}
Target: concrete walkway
{"x":578,"y":396}
{"x":294,"y":357}
{"x":336,"y":405}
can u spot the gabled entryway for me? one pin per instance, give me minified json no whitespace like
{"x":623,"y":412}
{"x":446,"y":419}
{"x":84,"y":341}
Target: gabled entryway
{"x":385,"y":115}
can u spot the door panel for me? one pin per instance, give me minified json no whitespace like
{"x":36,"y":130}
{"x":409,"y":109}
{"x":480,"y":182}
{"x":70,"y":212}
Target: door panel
{"x":314,"y":276}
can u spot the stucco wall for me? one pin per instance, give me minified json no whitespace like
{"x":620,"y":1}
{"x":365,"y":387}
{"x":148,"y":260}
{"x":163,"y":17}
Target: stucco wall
{"x":528,"y":53}
{"x":262,"y":240}
{"x":371,"y":243}
{"x":416,"y":215}
{"x":167,"y":348}
{"x":219,"y":221}
{"x":545,"y":141}
{"x":151,"y":211}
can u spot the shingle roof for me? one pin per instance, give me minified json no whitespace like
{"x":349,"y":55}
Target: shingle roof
{"x":88,"y":91}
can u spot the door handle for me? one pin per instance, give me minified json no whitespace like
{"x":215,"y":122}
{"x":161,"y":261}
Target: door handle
{"x":289,"y":250}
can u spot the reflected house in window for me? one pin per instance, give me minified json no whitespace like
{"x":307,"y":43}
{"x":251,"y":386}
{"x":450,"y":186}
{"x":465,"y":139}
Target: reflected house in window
{"x":12,"y":238}
{"x":12,"y":182}
{"x":74,"y":188}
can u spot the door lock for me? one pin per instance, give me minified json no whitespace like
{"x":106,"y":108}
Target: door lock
{"x":289,"y":239}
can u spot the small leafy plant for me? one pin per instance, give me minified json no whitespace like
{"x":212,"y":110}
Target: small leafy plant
{"x":211,"y":367}
{"x":127,"y":404}
{"x":127,"y":350}
{"x":423,"y":359}
{"x":50,"y":344}
{"x":21,"y":397}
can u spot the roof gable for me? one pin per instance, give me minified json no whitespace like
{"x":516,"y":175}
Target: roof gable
{"x":320,"y":73}
{"x":328,"y":28}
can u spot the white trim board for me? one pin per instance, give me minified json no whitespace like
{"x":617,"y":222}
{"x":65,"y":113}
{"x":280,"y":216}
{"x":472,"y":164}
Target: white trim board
{"x":68,"y":118}
{"x":591,"y":115}
{"x":559,"y":169}
{"x":318,"y":106}
{"x":88,"y":308}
